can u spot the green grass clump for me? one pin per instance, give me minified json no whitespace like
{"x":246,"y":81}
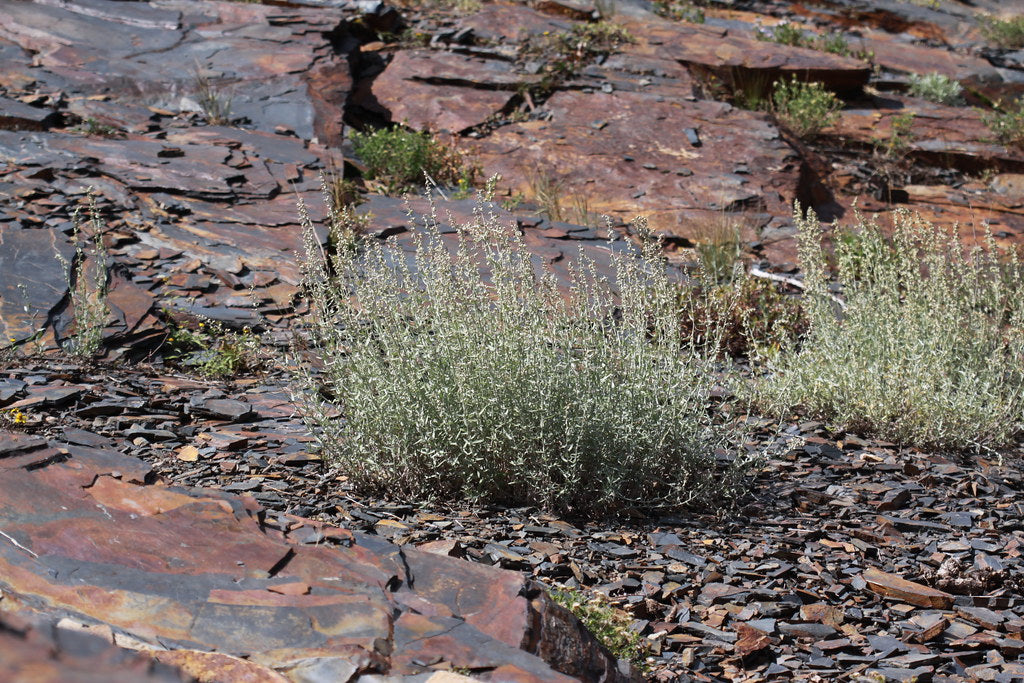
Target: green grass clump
{"x":213,"y":350}
{"x":804,"y":108}
{"x":467,"y":374}
{"x":680,"y":10}
{"x":610,"y":626}
{"x":1008,"y":33}
{"x":901,"y":134}
{"x":751,"y":318}
{"x":1007,"y":123}
{"x":792,"y":35}
{"x":929,"y":350}
{"x":937,"y":88}
{"x":398,"y":158}
{"x":214,"y":102}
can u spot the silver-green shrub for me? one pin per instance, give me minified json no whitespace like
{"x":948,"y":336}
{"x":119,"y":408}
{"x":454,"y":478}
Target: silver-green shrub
{"x":928,"y":348}
{"x":936,"y":87}
{"x":462,"y":372}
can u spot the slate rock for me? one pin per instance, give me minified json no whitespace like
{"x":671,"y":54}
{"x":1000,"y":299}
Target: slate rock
{"x":204,"y":573}
{"x":227,"y":409}
{"x":894,"y":586}
{"x":15,"y":115}
{"x":444,"y":91}
{"x":35,"y":649}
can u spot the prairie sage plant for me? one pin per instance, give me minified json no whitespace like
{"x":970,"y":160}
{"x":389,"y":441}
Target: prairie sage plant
{"x":927,"y":348}
{"x":458,"y":369}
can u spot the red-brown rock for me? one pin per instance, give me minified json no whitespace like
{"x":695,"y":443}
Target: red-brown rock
{"x":198,"y":570}
{"x":893,"y":586}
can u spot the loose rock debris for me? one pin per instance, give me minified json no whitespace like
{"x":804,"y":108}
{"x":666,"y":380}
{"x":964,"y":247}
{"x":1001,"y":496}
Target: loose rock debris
{"x":852,"y":558}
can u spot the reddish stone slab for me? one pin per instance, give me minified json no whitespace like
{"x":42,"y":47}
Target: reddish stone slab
{"x":444,"y":91}
{"x":892,"y":586}
{"x":734,"y":57}
{"x":36,"y":651}
{"x":195,"y":570}
{"x":599,"y":147}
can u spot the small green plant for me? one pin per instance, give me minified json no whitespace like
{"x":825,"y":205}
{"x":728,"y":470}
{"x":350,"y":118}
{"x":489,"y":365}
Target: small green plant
{"x":901,"y":134}
{"x":469,"y":374}
{"x":412,"y":38}
{"x":341,"y":191}
{"x":784,"y":34}
{"x":936,"y":87}
{"x":750,"y":317}
{"x":345,"y":227}
{"x":928,"y":349}
{"x":213,"y":350}
{"x":834,"y":43}
{"x":792,"y":35}
{"x":611,"y":626}
{"x":216,"y":104}
{"x":751,"y":91}
{"x":1007,"y":33}
{"x":804,"y":108}
{"x":13,"y":418}
{"x":892,"y":164}
{"x":87,"y":274}
{"x":91,"y":126}
{"x":513,"y":201}
{"x":565,"y":53}
{"x":747,"y":316}
{"x":1007,"y":123}
{"x":680,"y":10}
{"x":549,"y":193}
{"x":461,"y":6}
{"x":717,"y":244}
{"x":557,"y":203}
{"x":400,"y":160}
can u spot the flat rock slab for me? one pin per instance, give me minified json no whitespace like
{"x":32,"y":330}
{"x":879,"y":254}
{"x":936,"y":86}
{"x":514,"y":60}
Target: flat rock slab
{"x":708,"y":158}
{"x":175,"y":54}
{"x":553,"y":246}
{"x":34,"y":651}
{"x":736,"y":57}
{"x":34,"y":282}
{"x":950,"y":138}
{"x":511,"y":23}
{"x":892,"y":586}
{"x":15,"y":115}
{"x":956,"y":135}
{"x":208,"y":572}
{"x":902,"y":56}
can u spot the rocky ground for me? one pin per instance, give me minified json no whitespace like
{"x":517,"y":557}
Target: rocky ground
{"x":850,"y":559}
